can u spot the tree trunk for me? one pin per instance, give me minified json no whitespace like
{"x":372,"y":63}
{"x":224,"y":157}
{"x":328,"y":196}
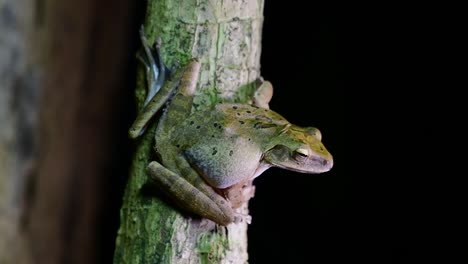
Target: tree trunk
{"x":226,"y":36}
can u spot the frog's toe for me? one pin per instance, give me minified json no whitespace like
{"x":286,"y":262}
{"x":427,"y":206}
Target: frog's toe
{"x":242,"y":218}
{"x":263,"y":94}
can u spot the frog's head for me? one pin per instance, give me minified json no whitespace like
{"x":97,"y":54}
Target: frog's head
{"x":300,"y":149}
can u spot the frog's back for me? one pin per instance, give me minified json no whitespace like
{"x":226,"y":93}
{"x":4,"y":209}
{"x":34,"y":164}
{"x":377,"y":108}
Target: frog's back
{"x":227,"y":122}
{"x":247,"y":113}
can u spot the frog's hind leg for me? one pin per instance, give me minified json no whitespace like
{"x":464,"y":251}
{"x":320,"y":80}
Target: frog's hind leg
{"x":181,"y":104}
{"x":159,"y":90}
{"x":220,"y":202}
{"x":189,"y":196}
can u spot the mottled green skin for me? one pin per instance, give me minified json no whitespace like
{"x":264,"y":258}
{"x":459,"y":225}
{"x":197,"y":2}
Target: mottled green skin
{"x":204,"y":153}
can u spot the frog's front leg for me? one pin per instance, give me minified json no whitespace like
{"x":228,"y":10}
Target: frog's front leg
{"x":240,"y":193}
{"x":263,"y":94}
{"x":208,"y":205}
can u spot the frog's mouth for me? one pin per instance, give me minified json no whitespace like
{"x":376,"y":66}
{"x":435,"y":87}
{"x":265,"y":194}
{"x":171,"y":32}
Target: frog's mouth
{"x":311,"y":165}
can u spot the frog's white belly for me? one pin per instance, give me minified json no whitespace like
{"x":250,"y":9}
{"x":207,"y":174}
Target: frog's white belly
{"x":236,"y":161}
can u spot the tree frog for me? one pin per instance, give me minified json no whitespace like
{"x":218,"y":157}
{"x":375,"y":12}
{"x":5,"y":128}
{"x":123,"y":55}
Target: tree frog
{"x":208,"y":159}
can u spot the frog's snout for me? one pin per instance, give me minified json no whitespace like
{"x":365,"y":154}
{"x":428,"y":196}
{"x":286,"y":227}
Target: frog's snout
{"x":324,"y":163}
{"x":327,"y":164}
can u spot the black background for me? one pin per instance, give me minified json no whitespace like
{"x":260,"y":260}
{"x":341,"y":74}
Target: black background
{"x":401,"y":201}
{"x":303,"y":218}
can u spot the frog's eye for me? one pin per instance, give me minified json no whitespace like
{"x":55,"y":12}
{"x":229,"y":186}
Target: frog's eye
{"x":301,"y":154}
{"x":315,"y":133}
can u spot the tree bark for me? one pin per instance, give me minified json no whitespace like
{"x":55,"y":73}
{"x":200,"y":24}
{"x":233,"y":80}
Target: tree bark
{"x":226,"y":36}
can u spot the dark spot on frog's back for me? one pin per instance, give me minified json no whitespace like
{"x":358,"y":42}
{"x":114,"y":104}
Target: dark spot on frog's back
{"x":234,"y":107}
{"x":215,"y":125}
{"x":249,"y":112}
{"x":214,"y":151}
{"x":191,"y":122}
{"x":198,"y":127}
{"x":231,"y":152}
{"x":241,"y":122}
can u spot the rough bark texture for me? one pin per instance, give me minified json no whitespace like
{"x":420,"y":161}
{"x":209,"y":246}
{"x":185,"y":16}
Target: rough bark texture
{"x":225,"y":35}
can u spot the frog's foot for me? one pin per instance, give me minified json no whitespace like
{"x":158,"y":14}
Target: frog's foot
{"x":242,"y":218}
{"x":263,"y":94}
{"x":189,"y":197}
{"x":156,"y":71}
{"x":239,"y":193}
{"x":171,"y":70}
